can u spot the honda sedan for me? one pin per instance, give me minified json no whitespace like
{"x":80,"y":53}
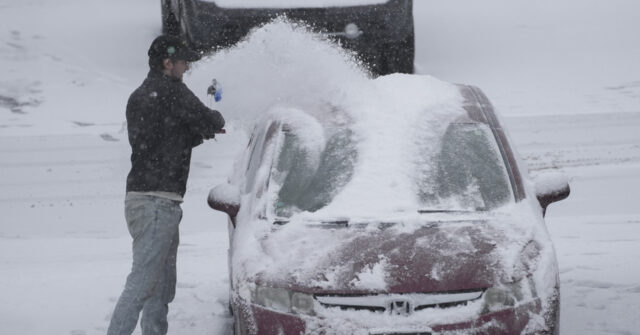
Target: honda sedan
{"x":410,"y":214}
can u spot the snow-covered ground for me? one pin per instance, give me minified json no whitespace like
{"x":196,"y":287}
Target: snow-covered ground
{"x":564,"y":74}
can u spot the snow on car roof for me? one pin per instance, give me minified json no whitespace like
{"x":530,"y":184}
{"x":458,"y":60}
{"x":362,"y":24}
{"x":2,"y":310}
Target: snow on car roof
{"x":293,"y":3}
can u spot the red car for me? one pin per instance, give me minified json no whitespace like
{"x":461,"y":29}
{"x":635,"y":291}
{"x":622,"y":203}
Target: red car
{"x":342,"y":222}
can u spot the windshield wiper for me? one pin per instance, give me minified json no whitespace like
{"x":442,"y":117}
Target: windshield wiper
{"x":341,"y":223}
{"x":330,"y":224}
{"x":462,"y":211}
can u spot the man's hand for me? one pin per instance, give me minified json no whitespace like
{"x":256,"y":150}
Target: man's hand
{"x":213,"y":137}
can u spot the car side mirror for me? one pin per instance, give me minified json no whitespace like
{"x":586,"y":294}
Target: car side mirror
{"x":551,"y":187}
{"x":225,"y":198}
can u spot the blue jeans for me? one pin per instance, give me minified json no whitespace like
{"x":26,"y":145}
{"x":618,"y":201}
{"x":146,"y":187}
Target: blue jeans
{"x":151,"y":285}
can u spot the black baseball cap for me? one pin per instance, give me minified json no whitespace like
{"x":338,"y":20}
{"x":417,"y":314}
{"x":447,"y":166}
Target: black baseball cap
{"x":165,"y":46}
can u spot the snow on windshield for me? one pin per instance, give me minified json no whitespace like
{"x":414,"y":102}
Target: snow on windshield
{"x":467,"y":173}
{"x":292,"y":3}
{"x":393,"y":117}
{"x":305,"y":178}
{"x":360,"y":156}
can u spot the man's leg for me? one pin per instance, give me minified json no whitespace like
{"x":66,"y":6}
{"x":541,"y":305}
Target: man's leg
{"x":153,"y":224}
{"x":154,"y":312}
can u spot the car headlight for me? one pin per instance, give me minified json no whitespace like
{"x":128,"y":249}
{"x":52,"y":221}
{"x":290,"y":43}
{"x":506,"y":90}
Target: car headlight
{"x":283,"y":300}
{"x":509,"y":295}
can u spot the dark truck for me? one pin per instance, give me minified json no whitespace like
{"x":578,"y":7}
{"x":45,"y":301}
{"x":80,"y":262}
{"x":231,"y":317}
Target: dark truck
{"x":381,"y":32}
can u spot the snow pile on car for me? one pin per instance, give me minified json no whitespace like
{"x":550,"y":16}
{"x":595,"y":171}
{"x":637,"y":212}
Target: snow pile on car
{"x":283,"y":72}
{"x":393,"y":116}
{"x":284,"y":65}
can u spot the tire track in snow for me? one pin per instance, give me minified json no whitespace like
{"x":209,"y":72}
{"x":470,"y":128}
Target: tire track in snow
{"x":560,"y":141}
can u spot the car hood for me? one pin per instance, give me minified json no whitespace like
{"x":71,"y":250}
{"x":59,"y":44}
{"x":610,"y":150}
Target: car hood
{"x":430,"y":257}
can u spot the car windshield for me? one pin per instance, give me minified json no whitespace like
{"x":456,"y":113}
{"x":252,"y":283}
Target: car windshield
{"x":462,"y":171}
{"x":307,"y":180}
{"x":467,"y":172}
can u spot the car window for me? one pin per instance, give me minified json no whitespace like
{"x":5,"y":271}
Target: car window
{"x":260,"y":142}
{"x":468,"y":172}
{"x":306,"y":181}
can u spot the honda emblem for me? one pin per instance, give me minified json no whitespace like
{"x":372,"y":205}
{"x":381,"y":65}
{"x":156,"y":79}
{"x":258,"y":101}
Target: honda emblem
{"x":400,"y":307}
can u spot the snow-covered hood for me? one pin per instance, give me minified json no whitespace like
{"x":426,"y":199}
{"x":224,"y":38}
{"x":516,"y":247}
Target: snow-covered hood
{"x":394,"y":258}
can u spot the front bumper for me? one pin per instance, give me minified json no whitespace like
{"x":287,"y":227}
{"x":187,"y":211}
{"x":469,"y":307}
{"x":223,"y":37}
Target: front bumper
{"x":457,"y":320}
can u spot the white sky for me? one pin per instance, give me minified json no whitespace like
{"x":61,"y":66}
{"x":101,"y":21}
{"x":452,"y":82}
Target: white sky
{"x":564,"y":74}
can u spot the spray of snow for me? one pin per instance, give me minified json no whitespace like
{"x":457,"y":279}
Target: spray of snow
{"x":281,"y":63}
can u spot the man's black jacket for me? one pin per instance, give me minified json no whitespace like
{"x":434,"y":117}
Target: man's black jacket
{"x":165,"y":121}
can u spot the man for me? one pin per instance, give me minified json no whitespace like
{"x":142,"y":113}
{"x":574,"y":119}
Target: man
{"x":165,"y":121}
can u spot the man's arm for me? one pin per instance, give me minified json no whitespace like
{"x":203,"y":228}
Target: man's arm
{"x":201,"y":120}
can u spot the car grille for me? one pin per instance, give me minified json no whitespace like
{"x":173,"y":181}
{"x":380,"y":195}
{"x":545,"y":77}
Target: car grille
{"x":401,"y":304}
